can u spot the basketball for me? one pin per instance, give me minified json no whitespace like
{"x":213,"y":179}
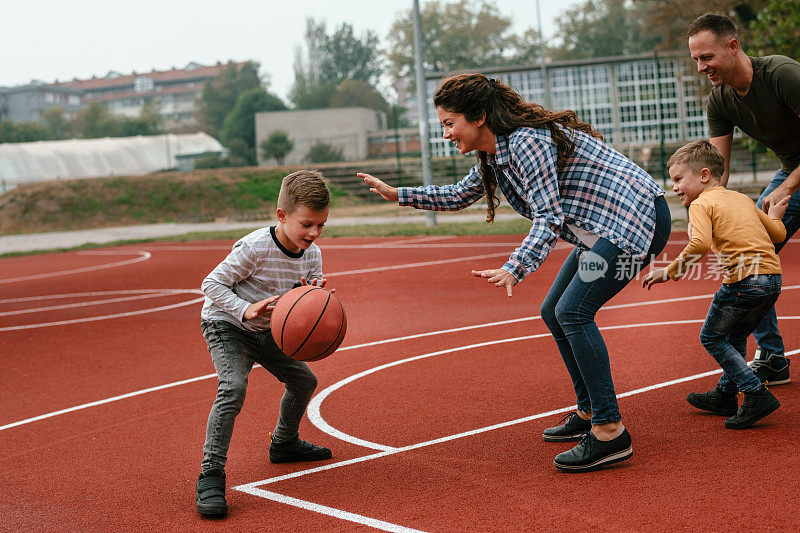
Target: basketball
{"x":308,"y":323}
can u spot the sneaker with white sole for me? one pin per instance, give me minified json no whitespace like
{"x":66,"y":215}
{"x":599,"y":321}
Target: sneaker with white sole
{"x":770,"y":368}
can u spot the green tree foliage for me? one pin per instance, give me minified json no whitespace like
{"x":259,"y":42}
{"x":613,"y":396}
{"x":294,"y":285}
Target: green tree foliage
{"x":96,"y":121}
{"x":459,"y":35}
{"x":221,"y":94}
{"x":21,"y":132}
{"x":601,"y":29}
{"x":776,"y":29}
{"x":351,"y":93}
{"x":240,"y":122}
{"x":57,"y":125}
{"x":276,"y":146}
{"x":331,"y":59}
{"x":669,"y":19}
{"x":321,"y":152}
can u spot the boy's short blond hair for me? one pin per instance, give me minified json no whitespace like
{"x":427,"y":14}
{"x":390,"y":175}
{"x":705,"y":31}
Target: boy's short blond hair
{"x":698,"y":155}
{"x":304,"y":187}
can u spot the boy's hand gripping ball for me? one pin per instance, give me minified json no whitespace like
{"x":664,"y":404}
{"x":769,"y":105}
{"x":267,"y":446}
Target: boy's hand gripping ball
{"x":308,"y":323}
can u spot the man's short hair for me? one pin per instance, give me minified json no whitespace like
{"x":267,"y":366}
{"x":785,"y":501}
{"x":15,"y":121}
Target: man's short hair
{"x":304,"y":187}
{"x":698,"y":155}
{"x":720,"y":25}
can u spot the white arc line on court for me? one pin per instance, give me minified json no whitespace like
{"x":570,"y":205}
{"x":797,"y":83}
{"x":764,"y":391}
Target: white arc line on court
{"x":143,"y":256}
{"x":84,"y":304}
{"x":315,"y":416}
{"x":103,"y":317}
{"x":386,"y":341}
{"x":252,"y":488}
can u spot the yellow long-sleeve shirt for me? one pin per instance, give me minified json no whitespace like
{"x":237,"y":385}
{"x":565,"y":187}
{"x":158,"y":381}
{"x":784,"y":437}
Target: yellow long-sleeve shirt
{"x":730,"y":224}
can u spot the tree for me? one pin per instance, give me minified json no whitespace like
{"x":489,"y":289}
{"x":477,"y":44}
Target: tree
{"x":456,"y":36}
{"x":358,"y":93}
{"x":331,"y":59}
{"x":240,"y":123}
{"x":277,"y":145}
{"x":321,"y":152}
{"x":601,"y":29}
{"x":776,"y":29}
{"x":56,"y":124}
{"x":669,"y":19}
{"x":95,"y":121}
{"x":221,"y":94}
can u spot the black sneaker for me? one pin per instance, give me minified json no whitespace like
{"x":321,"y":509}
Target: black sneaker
{"x":575,"y":428}
{"x":297,"y":450}
{"x":714,"y":401}
{"x":756,"y":405}
{"x":770,"y":368}
{"x":211,"y":494}
{"x":591,"y":454}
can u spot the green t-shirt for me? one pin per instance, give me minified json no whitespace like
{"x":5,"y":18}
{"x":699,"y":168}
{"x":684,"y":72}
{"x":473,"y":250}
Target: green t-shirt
{"x":769,"y":112}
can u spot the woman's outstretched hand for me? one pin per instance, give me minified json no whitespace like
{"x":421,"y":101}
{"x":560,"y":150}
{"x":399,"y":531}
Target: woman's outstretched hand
{"x":500,"y":278}
{"x":379,"y":187}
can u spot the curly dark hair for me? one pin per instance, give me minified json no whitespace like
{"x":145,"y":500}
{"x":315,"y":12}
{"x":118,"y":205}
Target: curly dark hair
{"x":473,"y":95}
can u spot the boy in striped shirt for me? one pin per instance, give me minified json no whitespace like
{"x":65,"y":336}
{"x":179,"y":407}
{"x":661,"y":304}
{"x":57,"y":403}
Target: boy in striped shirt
{"x":240,"y":295}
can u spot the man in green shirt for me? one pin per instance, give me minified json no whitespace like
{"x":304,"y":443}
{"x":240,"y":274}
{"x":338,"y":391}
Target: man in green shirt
{"x":760,"y":96}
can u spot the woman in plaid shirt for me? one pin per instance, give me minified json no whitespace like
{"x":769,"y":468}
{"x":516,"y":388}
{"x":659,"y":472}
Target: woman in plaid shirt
{"x":556,"y":171}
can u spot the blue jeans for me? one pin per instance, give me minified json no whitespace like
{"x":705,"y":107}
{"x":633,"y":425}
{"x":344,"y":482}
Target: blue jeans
{"x":234,"y":351}
{"x":735,"y":311}
{"x":586,"y":281}
{"x":766,"y":333}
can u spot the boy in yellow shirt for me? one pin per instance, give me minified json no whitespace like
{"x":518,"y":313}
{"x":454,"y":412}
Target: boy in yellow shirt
{"x":741,"y":235}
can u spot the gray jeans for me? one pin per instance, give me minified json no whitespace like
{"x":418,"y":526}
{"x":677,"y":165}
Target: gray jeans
{"x":234,"y":351}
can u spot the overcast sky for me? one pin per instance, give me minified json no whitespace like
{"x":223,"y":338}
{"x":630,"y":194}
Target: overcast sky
{"x":52,"y":40}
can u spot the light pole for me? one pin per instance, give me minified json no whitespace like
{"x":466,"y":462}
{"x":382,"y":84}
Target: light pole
{"x":424,"y":130}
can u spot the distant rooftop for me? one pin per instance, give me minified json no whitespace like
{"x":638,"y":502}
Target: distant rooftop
{"x":115,"y":79}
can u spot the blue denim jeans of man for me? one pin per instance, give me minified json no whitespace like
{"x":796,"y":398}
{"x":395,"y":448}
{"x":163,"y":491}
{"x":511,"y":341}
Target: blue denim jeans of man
{"x":586,"y":281}
{"x":234,"y":351}
{"x":735,"y":311}
{"x":766,"y":333}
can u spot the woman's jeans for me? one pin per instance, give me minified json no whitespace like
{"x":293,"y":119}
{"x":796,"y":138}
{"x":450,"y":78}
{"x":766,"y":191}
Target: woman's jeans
{"x":735,"y":312}
{"x":586,"y":281}
{"x":766,"y":333}
{"x":234,"y":351}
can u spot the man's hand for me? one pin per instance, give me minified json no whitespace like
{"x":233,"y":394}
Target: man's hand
{"x":776,"y":209}
{"x":658,"y":275}
{"x":261,"y":309}
{"x":498,"y":276}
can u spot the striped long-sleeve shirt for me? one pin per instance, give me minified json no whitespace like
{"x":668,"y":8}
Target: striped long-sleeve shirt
{"x":599,"y":191}
{"x":258,"y":267}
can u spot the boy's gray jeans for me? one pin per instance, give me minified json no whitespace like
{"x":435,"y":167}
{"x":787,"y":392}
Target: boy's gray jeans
{"x":234,"y":351}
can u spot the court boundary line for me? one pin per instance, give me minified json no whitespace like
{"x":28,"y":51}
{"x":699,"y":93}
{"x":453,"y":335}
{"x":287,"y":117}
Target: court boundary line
{"x":254,"y":490}
{"x":143,"y":256}
{"x":347,"y":348}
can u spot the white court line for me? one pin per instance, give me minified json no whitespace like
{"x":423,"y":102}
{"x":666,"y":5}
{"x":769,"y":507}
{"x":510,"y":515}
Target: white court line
{"x":353,"y":347}
{"x":105,"y":401}
{"x":104,"y":317}
{"x":414,"y":265}
{"x":252,"y":488}
{"x":143,"y":256}
{"x":83,"y":304}
{"x":313,"y":410}
{"x":330,"y":511}
{"x":95,"y":293}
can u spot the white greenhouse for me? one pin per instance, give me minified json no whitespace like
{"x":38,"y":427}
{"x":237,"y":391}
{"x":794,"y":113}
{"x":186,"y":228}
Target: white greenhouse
{"x":94,"y":158}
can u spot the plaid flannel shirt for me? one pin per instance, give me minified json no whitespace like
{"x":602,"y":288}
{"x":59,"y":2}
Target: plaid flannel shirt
{"x":599,"y":190}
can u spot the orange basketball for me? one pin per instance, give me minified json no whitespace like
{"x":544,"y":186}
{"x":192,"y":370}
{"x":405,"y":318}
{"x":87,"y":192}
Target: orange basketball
{"x":308,"y":323}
